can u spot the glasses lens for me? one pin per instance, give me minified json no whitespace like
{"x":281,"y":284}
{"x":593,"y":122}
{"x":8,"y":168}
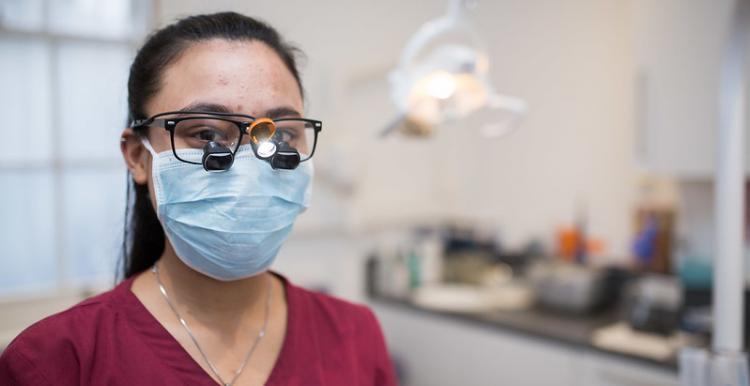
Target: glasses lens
{"x":298,"y":134}
{"x":195,"y":133}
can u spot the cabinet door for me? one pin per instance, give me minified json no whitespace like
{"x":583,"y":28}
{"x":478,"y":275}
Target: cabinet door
{"x":604,"y":370}
{"x":440,"y":351}
{"x":677,"y":47}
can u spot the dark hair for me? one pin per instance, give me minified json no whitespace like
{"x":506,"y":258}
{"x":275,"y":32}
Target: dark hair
{"x":143,"y":238}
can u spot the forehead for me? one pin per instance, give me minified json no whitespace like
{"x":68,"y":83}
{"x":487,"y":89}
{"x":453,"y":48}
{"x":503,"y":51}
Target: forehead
{"x":245,"y":76}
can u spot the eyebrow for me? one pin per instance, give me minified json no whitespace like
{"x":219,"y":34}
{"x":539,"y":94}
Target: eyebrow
{"x":203,"y":107}
{"x":283,"y":111}
{"x":206,"y":108}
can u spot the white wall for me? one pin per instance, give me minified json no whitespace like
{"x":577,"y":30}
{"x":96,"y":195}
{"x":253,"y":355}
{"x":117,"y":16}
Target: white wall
{"x":571,"y":60}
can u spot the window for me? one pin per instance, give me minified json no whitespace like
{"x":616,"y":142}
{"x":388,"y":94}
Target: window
{"x":63,"y":104}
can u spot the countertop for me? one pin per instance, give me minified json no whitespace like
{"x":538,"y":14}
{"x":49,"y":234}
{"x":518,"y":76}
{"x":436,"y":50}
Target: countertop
{"x":568,"y":329}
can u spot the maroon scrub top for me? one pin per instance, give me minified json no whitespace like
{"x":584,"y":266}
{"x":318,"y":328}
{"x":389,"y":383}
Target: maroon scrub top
{"x":111,"y":339}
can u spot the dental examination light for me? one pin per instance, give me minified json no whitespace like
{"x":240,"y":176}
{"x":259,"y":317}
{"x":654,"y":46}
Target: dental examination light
{"x":442,"y":77}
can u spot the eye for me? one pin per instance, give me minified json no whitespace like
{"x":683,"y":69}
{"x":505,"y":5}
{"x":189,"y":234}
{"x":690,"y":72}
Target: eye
{"x":285,"y":134}
{"x":210,"y":134}
{"x":195,"y":133}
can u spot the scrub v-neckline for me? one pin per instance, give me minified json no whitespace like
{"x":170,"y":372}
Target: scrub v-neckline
{"x":163,"y":343}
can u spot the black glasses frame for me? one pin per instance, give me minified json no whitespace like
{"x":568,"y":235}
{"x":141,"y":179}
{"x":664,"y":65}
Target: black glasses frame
{"x":171,"y":123}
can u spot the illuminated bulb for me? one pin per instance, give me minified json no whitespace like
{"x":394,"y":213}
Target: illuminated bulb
{"x":441,"y":85}
{"x":266,"y":149}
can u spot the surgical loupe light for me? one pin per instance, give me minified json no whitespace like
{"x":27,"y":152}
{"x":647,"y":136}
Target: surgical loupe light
{"x":279,"y":154}
{"x":261,"y":132}
{"x":442,"y":76}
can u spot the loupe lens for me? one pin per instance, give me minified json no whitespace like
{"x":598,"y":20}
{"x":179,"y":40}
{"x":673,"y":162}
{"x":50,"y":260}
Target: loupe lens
{"x":217,"y":158}
{"x":285,"y":161}
{"x":216,"y":163}
{"x":286,"y":157}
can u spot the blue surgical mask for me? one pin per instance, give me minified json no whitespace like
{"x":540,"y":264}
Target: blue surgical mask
{"x":228,"y":225}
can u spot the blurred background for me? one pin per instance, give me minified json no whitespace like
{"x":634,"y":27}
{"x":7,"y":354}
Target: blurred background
{"x":575,"y":250}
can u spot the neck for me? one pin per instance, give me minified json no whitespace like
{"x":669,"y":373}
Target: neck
{"x":213,"y":302}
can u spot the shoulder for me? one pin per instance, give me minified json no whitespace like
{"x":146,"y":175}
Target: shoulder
{"x":72,"y":325}
{"x":59,"y":341}
{"x":342,"y":323}
{"x":344,"y":315}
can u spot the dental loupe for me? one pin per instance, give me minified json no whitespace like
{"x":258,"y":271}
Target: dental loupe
{"x":278,"y":154}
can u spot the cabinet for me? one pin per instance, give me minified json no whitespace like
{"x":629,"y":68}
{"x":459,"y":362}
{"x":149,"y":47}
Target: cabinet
{"x":677,"y":50}
{"x":439,"y":351}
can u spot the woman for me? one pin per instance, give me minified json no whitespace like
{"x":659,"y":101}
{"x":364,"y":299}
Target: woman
{"x":219,"y":148}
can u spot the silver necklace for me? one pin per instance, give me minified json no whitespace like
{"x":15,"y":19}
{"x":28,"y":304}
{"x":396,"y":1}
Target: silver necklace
{"x":261,"y":333}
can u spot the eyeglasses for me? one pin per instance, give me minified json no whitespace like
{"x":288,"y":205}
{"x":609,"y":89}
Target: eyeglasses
{"x":192,"y":130}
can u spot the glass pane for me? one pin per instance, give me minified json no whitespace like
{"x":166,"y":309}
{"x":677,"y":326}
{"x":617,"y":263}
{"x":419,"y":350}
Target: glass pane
{"x":93,"y":102}
{"x":295,"y":134}
{"x":309,"y":140}
{"x":109,"y":18}
{"x":22,"y":14}
{"x":27,"y":231}
{"x":93,"y":215}
{"x":196,"y":132}
{"x":25,"y":100}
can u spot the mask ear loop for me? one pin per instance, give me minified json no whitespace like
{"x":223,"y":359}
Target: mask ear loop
{"x":154,"y":175}
{"x":147,"y":144}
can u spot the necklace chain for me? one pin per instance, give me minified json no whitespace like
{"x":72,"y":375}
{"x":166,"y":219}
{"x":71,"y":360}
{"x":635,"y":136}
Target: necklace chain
{"x":184,"y":324}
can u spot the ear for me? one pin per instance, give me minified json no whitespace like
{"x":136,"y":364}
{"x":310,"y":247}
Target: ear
{"x":136,"y":156}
